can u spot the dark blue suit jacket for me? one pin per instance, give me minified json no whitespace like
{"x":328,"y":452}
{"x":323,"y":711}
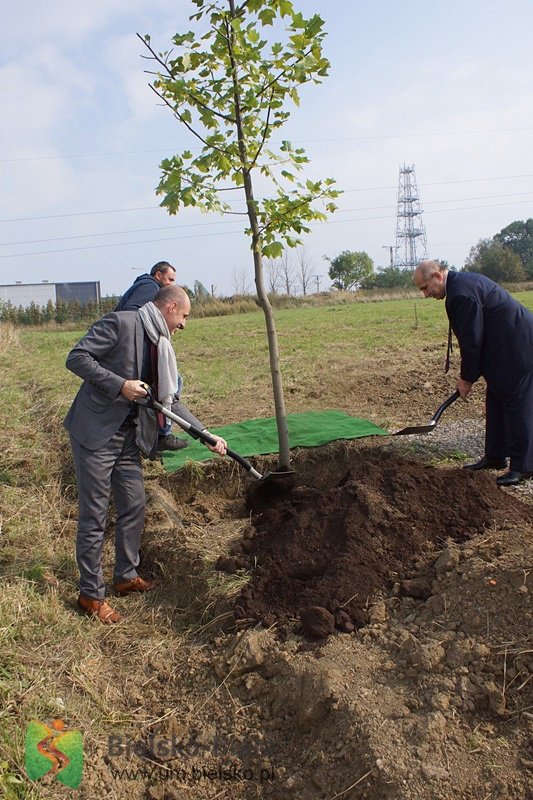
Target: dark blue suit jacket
{"x":494,"y":331}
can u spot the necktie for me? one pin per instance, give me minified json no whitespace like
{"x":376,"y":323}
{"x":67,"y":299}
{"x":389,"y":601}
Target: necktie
{"x":449,"y":349}
{"x":153,"y":361}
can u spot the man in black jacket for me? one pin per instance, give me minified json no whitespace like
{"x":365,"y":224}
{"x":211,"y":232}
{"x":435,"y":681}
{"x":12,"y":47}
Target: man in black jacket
{"x":144,"y":289}
{"x":146,"y":286}
{"x":495,"y":335}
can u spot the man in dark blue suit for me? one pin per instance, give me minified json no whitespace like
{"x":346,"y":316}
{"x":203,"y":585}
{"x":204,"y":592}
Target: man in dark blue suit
{"x":495,"y":335}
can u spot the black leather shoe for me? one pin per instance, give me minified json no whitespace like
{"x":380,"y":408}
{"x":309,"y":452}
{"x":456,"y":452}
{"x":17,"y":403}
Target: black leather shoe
{"x":487,"y":463}
{"x":170,"y":442}
{"x":513,"y":477}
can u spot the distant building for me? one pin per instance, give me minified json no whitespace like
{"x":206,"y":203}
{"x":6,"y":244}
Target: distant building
{"x":24,"y":294}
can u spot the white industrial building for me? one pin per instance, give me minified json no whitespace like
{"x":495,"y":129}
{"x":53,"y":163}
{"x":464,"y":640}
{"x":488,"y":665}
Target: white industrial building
{"x":24,"y":294}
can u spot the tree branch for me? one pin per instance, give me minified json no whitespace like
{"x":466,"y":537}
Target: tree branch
{"x":265,"y":131}
{"x":282,"y":73}
{"x":195,"y":100}
{"x":154,"y":57}
{"x":294,"y":208}
{"x":189,"y":127}
{"x":225,"y":117}
{"x":238,"y":12}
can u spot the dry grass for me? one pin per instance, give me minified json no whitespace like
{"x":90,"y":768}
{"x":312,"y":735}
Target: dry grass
{"x":54,"y":662}
{"x":8,"y":336}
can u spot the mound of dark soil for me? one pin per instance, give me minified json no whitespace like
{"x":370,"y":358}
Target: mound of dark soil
{"x":323,"y":556}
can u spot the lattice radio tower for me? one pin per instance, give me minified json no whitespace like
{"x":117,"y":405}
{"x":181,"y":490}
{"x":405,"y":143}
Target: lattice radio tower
{"x":411,"y":242}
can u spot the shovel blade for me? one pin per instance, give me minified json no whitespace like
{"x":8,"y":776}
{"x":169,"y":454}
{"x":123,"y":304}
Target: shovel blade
{"x":415,"y":429}
{"x":436,"y":416}
{"x":272,"y":486}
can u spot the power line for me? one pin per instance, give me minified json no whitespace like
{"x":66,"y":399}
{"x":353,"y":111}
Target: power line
{"x":379,"y":137}
{"x":122,"y":244}
{"x":119,"y":233}
{"x":345,"y":191}
{"x":80,"y":214}
{"x":443,"y":183}
{"x":435,"y":202}
{"x":433,"y":211}
{"x":231,"y":222}
{"x":415,"y":135}
{"x":231,"y":233}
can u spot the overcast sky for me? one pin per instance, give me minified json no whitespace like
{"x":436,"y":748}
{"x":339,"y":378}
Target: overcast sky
{"x":445,"y":86}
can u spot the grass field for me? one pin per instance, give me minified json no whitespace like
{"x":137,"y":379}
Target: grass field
{"x":378,"y":360}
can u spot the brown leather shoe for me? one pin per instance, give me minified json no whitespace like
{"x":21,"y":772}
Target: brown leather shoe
{"x":136,"y":584}
{"x":98,"y":608}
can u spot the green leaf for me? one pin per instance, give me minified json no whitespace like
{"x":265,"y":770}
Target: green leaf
{"x":267,"y":16}
{"x":273,"y":250}
{"x":252,"y":35}
{"x":298,"y":21}
{"x":237,"y":178}
{"x":224,"y":164}
{"x":291,"y":241}
{"x":202,"y":164}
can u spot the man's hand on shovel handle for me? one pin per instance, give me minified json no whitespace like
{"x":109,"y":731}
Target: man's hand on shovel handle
{"x":133,"y":390}
{"x":220,"y":446}
{"x":464,"y":388}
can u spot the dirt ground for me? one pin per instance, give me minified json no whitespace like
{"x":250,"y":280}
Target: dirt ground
{"x":367,"y":634}
{"x":324,"y":554}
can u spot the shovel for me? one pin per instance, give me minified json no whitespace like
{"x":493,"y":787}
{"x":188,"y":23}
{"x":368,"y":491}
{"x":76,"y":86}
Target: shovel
{"x":280,"y":476}
{"x":434,"y":419}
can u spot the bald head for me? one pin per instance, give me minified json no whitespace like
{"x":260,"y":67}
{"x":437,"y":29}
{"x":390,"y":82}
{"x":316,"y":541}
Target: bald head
{"x":175,"y":306}
{"x":427,"y":268}
{"x":430,"y":278}
{"x":171,"y":294}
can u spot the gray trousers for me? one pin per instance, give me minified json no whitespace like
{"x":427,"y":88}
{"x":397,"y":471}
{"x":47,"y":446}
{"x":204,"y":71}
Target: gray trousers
{"x":113,"y":469}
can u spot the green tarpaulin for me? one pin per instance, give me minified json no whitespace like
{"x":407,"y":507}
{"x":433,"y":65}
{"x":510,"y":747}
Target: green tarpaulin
{"x":260,"y":436}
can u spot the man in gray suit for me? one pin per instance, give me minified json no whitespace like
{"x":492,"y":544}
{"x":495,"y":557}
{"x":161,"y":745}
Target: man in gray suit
{"x":108,"y":431}
{"x":141,"y":292}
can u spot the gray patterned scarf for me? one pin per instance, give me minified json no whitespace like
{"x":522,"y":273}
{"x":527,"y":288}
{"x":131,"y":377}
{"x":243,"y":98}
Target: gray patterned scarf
{"x":169,"y":380}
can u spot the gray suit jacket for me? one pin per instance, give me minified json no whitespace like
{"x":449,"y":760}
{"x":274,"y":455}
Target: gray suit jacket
{"x":111,"y":353}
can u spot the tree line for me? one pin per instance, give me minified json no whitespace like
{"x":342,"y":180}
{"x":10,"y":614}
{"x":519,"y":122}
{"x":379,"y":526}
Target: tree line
{"x":58,"y":312}
{"x":507,"y":257}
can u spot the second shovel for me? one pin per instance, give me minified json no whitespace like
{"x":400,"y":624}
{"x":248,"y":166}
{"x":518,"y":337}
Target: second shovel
{"x":434,"y":419}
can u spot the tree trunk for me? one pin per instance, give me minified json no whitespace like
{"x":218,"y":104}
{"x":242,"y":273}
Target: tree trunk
{"x":275,"y":371}
{"x":284,"y":456}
